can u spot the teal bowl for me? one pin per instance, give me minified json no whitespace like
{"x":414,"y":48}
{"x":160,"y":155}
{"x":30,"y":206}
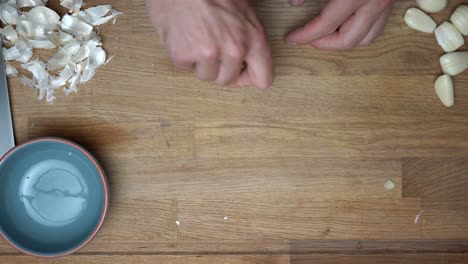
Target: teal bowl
{"x":53,"y":197}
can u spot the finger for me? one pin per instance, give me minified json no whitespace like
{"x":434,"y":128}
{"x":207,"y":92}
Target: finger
{"x":182,"y":60}
{"x":377,"y":29}
{"x":351,"y":33}
{"x":230,"y":70}
{"x":296,"y":2}
{"x":207,"y":70}
{"x":183,"y":64}
{"x":331,"y":17}
{"x":259,"y":71}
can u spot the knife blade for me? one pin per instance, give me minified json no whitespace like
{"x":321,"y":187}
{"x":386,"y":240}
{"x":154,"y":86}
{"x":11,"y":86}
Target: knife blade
{"x":7,"y":139}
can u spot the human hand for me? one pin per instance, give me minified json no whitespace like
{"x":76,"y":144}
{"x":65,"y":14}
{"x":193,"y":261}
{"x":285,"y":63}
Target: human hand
{"x":220,"y":40}
{"x":343,"y":24}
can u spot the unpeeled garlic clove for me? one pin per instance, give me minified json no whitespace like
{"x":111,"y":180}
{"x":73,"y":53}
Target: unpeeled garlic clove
{"x":459,"y":19}
{"x":432,"y":6}
{"x":420,"y":21}
{"x":448,"y":37}
{"x":454,"y":63}
{"x":444,"y":90}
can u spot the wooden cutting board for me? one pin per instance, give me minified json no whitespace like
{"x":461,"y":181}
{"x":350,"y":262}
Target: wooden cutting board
{"x":292,"y":174}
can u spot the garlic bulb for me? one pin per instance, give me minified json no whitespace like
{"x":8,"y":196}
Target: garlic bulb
{"x":448,"y":37}
{"x":444,"y":90}
{"x":420,"y":21}
{"x":432,"y":6}
{"x":459,"y":19}
{"x":454,"y":63}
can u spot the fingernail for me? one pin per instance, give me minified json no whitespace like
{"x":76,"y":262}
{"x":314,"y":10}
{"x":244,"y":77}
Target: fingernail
{"x":291,"y":43}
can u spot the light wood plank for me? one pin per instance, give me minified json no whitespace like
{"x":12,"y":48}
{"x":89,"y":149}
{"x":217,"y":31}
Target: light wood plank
{"x":298,"y":219}
{"x":243,"y":179}
{"x":382,"y":259}
{"x":255,"y":259}
{"x":441,"y":179}
{"x":442,"y":185}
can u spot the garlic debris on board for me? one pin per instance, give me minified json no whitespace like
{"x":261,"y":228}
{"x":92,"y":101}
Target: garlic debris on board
{"x":454,"y":63}
{"x":420,"y":21}
{"x":432,"y":6}
{"x":444,"y":90}
{"x":79,"y":52}
{"x":448,"y":37}
{"x":459,"y":19}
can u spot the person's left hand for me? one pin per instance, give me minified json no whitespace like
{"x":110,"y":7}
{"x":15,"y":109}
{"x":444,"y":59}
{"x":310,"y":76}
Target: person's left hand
{"x":343,"y":24}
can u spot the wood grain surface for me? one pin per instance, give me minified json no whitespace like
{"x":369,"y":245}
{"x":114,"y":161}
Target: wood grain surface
{"x":289,"y":175}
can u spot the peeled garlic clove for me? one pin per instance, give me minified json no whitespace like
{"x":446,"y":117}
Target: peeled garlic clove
{"x":454,"y":63}
{"x":432,"y":6}
{"x":420,"y":21}
{"x":459,"y":19}
{"x":448,"y":37}
{"x":444,"y":89}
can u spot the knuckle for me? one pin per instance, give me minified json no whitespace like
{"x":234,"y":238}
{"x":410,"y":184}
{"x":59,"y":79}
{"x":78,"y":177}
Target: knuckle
{"x":209,"y":52}
{"x":265,"y":83}
{"x":349,"y":44}
{"x":326,"y":25}
{"x":366,"y":43}
{"x":235,"y":50}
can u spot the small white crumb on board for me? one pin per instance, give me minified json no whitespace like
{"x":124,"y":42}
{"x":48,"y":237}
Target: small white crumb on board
{"x":389,"y":185}
{"x":177,"y":223}
{"x":418,"y":217}
{"x":226,"y":218}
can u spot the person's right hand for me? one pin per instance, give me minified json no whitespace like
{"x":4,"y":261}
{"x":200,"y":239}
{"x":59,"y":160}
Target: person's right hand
{"x":220,"y":40}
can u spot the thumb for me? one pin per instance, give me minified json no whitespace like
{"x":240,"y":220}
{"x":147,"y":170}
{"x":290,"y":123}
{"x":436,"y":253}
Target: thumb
{"x":296,"y":2}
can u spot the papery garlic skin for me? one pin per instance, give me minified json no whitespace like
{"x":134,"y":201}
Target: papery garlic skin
{"x":36,"y":26}
{"x":10,"y":70}
{"x":459,"y":19}
{"x":448,"y":37}
{"x":432,"y":6}
{"x":454,"y":63}
{"x":444,"y":90}
{"x":420,"y":21}
{"x":30,"y":3}
{"x":9,"y":33}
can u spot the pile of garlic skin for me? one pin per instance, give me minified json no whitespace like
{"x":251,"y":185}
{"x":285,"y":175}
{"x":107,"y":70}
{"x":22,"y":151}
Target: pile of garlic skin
{"x":449,"y":36}
{"x":30,"y":25}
